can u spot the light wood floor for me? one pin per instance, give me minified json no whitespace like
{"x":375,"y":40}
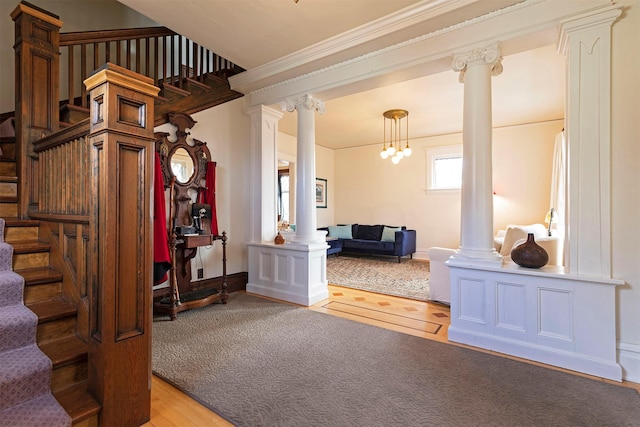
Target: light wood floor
{"x":170,"y":407}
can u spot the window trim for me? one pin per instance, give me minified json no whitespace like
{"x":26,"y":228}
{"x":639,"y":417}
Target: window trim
{"x":436,"y":153}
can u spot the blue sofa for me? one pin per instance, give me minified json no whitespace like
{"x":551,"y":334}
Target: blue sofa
{"x":371,"y":240}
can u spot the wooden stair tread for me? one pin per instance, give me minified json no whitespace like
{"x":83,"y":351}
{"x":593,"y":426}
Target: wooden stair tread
{"x":78,"y":402}
{"x":8,"y":198}
{"x":48,"y":311}
{"x":17,"y":222}
{"x":27,"y":247}
{"x":175,"y":89}
{"x":11,"y":179}
{"x":65,"y":350}
{"x":196,"y":83}
{"x":74,"y":108}
{"x":40,"y":275}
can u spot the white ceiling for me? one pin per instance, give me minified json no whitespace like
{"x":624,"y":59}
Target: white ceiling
{"x":253,"y":33}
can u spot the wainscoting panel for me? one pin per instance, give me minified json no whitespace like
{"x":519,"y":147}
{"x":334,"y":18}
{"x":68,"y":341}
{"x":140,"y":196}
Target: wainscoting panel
{"x":290,"y":272}
{"x":511,"y":302}
{"x":538,"y":314}
{"x":473,"y":290}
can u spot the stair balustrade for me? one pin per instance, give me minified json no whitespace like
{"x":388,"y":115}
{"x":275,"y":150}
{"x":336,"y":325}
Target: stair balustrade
{"x":156,"y":52}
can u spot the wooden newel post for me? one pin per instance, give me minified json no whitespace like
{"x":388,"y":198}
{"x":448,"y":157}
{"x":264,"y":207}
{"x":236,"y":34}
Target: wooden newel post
{"x":122,"y":149}
{"x":37,"y":48}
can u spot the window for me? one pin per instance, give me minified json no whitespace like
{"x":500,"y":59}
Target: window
{"x":444,"y":168}
{"x":283,"y":195}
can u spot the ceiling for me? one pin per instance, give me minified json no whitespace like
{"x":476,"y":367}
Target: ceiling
{"x":257,"y":33}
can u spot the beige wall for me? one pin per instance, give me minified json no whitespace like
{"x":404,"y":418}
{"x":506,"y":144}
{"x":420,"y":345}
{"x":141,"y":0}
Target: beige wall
{"x":225,"y":129}
{"x":625,"y":171}
{"x":370,"y":190}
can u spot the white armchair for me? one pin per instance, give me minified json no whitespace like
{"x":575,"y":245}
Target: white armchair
{"x":439,"y":289}
{"x":514,"y":235}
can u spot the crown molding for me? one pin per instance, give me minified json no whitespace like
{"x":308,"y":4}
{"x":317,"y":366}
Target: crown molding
{"x":522,"y":26}
{"x":405,"y":18}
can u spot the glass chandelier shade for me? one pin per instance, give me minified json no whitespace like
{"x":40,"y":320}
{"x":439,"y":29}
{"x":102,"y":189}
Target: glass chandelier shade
{"x":394,"y":137}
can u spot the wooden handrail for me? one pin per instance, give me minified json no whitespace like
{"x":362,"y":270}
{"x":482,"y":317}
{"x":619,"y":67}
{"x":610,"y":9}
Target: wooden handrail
{"x":102,"y":36}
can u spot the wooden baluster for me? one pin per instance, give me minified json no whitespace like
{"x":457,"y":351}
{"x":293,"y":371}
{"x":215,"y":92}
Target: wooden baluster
{"x":156,"y":45}
{"x":138,"y":56}
{"x":70,"y":73}
{"x":147,"y":57}
{"x":119,"y":52}
{"x":173,"y":58}
{"x":164,"y":59}
{"x":107,"y":52}
{"x":83,"y":75}
{"x":128,"y":55}
{"x":179,"y":62}
{"x":196,"y":70}
{"x":96,"y":56}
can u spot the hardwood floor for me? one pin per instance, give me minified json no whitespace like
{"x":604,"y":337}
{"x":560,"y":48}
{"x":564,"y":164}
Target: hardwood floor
{"x":170,"y":407}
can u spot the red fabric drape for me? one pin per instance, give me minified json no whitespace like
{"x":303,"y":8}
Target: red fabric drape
{"x":210,"y":195}
{"x":161,"y":257}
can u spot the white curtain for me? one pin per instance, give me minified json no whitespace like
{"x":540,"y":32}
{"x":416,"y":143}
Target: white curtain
{"x":559,"y":184}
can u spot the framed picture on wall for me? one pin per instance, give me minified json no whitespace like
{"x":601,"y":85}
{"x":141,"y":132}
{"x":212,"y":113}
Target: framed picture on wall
{"x":321,"y":193}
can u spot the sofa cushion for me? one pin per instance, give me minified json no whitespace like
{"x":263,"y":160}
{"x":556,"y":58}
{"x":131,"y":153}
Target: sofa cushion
{"x":389,"y":234}
{"x":369,"y":232}
{"x":340,"y":231}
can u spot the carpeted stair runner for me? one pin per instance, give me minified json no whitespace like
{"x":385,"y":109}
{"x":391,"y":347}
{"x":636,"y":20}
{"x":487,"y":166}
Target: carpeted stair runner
{"x":25,"y":371}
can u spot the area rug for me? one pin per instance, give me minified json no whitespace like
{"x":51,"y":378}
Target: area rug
{"x":259,"y":362}
{"x":384,"y":275}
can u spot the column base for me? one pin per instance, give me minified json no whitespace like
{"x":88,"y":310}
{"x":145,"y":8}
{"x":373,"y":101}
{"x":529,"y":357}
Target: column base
{"x":292,"y":272}
{"x":319,"y":236}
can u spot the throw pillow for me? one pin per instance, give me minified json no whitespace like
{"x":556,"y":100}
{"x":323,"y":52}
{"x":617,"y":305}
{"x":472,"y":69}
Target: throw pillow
{"x":340,"y":231}
{"x":389,"y":234}
{"x":512,"y":235}
{"x":369,"y":232}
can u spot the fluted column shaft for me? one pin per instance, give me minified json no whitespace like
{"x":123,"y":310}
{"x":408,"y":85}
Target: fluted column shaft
{"x":476,"y":233}
{"x":306,"y":222}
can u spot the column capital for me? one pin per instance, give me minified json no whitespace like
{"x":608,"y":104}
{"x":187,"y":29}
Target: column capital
{"x":489,"y":55}
{"x":307,"y":101}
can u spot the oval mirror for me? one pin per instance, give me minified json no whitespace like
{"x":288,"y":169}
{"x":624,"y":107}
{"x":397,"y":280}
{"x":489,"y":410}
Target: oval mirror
{"x":182,"y":165}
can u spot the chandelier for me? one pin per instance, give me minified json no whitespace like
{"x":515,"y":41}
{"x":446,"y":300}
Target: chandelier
{"x":393,"y":118}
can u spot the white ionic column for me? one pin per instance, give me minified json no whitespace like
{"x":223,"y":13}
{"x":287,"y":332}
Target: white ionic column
{"x":476,"y":233}
{"x":264,"y":173}
{"x":306,"y":222}
{"x":586,"y":43}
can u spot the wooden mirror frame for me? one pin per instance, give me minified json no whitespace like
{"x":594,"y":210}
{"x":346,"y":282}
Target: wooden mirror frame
{"x":200,"y":155}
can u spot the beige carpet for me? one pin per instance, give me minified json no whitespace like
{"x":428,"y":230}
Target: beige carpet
{"x":262,"y":363}
{"x":384,"y":275}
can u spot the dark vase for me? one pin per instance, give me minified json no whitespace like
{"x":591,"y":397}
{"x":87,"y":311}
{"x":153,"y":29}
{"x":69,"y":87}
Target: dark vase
{"x":530,"y":254}
{"x":279,"y":240}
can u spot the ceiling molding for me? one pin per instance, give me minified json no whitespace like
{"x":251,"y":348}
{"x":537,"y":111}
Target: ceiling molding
{"x":523,"y":26}
{"x":395,"y":23}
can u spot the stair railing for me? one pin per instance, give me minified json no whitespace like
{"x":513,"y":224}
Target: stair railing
{"x":155,"y":52}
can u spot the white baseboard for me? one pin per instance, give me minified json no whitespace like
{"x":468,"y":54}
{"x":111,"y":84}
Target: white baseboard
{"x":629,"y":359}
{"x":549,"y":356}
{"x":421,"y":254}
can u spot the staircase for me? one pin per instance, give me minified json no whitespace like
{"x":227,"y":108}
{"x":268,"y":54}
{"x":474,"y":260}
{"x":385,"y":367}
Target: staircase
{"x":55,"y":333}
{"x":55,"y":287}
